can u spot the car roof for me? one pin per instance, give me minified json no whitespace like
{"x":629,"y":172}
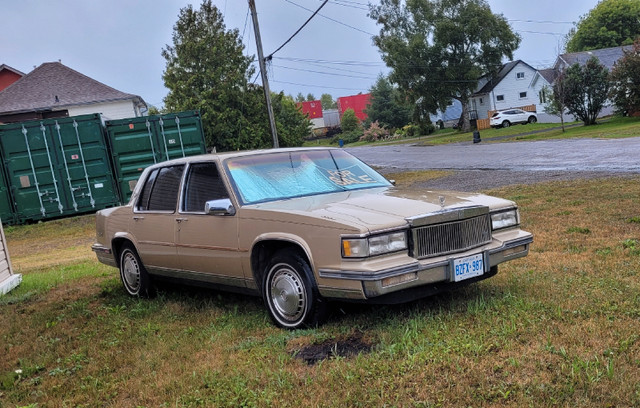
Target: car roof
{"x":244,"y":153}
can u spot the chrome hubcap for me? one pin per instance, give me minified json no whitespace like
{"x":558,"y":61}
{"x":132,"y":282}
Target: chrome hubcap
{"x":287,"y":294}
{"x":131,"y":271}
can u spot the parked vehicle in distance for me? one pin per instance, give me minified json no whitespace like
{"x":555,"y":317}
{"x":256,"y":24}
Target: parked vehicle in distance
{"x":510,"y":117}
{"x":301,"y":227}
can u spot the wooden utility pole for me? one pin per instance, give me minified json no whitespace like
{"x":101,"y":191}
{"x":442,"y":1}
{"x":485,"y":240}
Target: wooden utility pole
{"x":263,"y":73}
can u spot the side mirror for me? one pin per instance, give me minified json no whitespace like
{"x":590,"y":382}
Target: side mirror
{"x":393,"y":182}
{"x":223,"y":206}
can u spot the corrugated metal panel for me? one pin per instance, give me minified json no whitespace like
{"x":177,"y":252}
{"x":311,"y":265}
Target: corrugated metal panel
{"x":140,"y":142}
{"x":6,"y":200}
{"x":356,"y":102}
{"x":57,"y":167}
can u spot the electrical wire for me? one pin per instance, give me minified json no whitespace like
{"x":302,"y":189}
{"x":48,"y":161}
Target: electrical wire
{"x":297,"y":31}
{"x":331,"y":19}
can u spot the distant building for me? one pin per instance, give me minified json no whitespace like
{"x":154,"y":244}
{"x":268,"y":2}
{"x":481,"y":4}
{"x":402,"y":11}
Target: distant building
{"x":54,"y":90}
{"x":8,"y":76}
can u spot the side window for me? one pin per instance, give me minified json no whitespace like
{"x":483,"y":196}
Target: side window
{"x":203,"y":184}
{"x":160,"y":192}
{"x":143,"y":201}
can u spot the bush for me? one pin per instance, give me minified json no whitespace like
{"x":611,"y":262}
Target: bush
{"x":347,"y":137}
{"x":349,"y":121}
{"x":374,"y":133}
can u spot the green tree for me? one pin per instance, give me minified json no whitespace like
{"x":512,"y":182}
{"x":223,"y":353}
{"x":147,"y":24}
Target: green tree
{"x":586,"y":89}
{"x":387,"y":106}
{"x":349,"y":121}
{"x":300,"y":97}
{"x":328,"y":102}
{"x":438,"y":49}
{"x":207,"y":70}
{"x":556,"y":96}
{"x":610,"y":23}
{"x":310,"y":97}
{"x":625,"y":77}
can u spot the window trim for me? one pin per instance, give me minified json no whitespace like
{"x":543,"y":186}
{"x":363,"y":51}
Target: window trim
{"x":525,"y":95}
{"x":500,"y":98}
{"x":520,"y":75}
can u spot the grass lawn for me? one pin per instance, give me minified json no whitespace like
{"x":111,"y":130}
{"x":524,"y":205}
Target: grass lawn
{"x":612,"y":128}
{"x":558,"y":328}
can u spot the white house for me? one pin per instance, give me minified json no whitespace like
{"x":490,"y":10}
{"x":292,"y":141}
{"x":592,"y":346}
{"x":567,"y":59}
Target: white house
{"x":54,"y":90}
{"x":515,"y":85}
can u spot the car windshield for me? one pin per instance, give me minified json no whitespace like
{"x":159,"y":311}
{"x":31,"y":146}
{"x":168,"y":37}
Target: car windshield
{"x":282,"y":175}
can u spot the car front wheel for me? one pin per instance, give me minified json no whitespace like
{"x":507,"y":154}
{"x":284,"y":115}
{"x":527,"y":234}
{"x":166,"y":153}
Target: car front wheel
{"x":289,"y":292}
{"x":506,"y":124}
{"x":133,"y":274}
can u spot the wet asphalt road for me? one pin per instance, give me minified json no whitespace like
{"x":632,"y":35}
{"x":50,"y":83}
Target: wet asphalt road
{"x":601,"y":155}
{"x":489,"y":165}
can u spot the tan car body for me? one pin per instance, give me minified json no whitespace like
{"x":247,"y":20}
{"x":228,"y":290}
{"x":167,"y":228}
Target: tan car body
{"x":230,"y":250}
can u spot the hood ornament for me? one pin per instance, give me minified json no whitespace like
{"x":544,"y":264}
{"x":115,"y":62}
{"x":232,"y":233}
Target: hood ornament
{"x":442,"y":200}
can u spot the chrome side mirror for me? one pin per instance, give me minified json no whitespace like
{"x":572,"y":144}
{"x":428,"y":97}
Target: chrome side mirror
{"x":223,"y":206}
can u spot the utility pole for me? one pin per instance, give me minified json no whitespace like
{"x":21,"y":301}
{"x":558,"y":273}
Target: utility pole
{"x":263,"y":73}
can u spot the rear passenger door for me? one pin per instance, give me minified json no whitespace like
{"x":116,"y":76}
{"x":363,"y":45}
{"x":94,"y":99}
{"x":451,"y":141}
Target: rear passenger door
{"x":154,"y":219}
{"x":207,"y":244}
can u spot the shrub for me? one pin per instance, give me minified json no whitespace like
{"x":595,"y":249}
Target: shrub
{"x":374,"y":133}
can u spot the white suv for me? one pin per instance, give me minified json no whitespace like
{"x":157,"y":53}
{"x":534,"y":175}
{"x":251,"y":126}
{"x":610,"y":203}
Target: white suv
{"x":510,"y":117}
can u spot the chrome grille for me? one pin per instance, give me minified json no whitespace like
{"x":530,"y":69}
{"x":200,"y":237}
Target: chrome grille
{"x":445,"y":238}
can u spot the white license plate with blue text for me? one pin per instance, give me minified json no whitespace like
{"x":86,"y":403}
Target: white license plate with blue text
{"x":468,"y":267}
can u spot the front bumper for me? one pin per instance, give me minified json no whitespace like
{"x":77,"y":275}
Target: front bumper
{"x":423,"y":274}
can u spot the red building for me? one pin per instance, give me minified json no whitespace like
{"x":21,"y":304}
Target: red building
{"x":8,"y":76}
{"x":356,"y":102}
{"x":313,"y":109}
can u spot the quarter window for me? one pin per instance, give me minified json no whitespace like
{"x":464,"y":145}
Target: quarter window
{"x":160,"y":192}
{"x":203,"y":184}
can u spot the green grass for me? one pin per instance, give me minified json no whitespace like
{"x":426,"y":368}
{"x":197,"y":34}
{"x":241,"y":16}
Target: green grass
{"x":558,"y":328}
{"x":610,"y":128}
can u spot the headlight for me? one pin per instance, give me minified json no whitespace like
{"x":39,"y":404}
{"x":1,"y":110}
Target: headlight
{"x":505,"y":219}
{"x":376,"y":245}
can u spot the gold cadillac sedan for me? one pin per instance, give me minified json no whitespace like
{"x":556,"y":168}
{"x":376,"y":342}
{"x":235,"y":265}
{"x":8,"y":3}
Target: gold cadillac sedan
{"x":301,"y":227}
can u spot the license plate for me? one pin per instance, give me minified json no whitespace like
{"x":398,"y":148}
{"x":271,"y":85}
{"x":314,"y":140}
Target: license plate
{"x":468,"y":267}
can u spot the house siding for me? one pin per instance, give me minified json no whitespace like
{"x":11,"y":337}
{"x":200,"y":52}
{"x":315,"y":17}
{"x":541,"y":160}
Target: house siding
{"x":510,"y":88}
{"x":108,"y":110}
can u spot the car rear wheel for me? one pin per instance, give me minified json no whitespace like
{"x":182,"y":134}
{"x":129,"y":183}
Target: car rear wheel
{"x":290,"y":294}
{"x":133,"y":274}
{"x":506,"y":123}
{"x":532,"y":119}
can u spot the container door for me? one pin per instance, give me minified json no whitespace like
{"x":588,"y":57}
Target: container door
{"x":6,"y":205}
{"x":85,"y":167}
{"x":180,"y":135}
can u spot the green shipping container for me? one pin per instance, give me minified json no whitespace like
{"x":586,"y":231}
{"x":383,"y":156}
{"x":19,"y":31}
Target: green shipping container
{"x":6,"y":201}
{"x":58,"y":167}
{"x":140,"y":142}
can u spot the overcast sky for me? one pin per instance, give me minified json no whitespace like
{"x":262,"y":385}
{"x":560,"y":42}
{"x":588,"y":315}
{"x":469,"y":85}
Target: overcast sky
{"x":118,"y":42}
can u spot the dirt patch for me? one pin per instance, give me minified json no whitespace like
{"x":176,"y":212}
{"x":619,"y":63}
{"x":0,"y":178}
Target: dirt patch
{"x":342,"y":347}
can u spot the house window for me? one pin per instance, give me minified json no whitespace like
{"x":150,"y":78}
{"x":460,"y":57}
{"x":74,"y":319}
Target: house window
{"x":519,"y":75}
{"x":481,"y":101}
{"x":523,"y":95}
{"x":543,"y":96}
{"x":500,"y":98}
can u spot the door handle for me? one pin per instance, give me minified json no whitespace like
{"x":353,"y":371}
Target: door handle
{"x":138,"y":218}
{"x":179,"y":220}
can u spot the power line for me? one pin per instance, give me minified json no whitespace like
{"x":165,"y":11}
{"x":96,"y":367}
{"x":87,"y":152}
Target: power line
{"x":331,"y":19}
{"x":298,"y":30}
{"x":323,"y":73}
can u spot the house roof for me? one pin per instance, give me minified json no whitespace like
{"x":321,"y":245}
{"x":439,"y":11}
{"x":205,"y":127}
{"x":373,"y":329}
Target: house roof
{"x":548,"y":74}
{"x":53,"y":86}
{"x":8,"y":68}
{"x":494,"y":80}
{"x":607,"y":56}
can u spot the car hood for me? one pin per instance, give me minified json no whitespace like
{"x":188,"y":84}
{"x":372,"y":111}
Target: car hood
{"x":370,"y":209}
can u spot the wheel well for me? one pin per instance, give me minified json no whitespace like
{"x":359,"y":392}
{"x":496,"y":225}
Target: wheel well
{"x":261,"y":255}
{"x":116,"y":247}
